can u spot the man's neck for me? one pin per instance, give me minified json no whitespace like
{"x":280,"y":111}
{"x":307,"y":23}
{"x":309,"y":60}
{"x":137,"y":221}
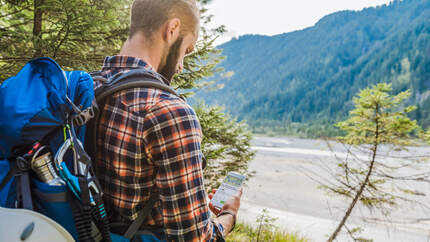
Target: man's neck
{"x":138,"y":47}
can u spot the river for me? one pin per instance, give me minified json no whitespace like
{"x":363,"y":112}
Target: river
{"x":284,"y":184}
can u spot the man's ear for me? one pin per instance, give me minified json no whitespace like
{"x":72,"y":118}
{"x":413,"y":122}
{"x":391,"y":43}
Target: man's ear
{"x":172,"y":30}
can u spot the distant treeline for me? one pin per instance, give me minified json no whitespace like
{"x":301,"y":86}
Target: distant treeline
{"x":301,"y":130}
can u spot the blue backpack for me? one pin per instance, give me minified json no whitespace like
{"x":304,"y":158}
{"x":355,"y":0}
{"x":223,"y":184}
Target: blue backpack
{"x":45,"y":164}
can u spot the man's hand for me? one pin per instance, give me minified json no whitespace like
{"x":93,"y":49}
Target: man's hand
{"x":232,"y":205}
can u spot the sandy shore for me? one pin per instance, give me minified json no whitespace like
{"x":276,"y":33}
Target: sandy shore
{"x":282,"y":186}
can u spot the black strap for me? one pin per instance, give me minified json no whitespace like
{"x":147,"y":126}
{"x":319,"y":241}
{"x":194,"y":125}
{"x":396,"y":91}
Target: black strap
{"x":82,"y":218}
{"x":19,"y":168}
{"x":24,"y":183}
{"x":85,"y":192}
{"x":141,"y":216}
{"x":132,"y":79}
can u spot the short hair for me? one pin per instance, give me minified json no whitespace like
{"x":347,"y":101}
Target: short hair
{"x":149,"y":16}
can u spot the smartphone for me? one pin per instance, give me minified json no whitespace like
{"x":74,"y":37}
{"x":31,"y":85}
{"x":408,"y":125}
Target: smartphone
{"x":230,"y":186}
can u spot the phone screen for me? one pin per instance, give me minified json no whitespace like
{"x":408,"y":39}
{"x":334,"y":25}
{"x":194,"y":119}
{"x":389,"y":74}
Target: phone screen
{"x":229,"y":187}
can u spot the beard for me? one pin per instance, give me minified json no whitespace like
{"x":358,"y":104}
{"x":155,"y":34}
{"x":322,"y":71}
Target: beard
{"x":169,"y":68}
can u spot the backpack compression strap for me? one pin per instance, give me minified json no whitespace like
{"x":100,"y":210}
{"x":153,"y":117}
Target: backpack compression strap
{"x":138,"y":78}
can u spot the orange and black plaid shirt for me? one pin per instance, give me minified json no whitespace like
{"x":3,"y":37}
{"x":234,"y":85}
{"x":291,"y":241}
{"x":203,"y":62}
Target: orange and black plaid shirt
{"x":150,"y":139}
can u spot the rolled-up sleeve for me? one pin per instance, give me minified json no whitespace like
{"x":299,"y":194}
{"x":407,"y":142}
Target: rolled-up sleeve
{"x":173,"y":143}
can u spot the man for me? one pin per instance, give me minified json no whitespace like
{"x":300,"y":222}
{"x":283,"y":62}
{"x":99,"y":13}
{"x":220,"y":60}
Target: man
{"x":150,"y":140}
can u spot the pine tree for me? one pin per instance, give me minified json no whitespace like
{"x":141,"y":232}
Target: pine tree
{"x":76,"y":33}
{"x":226,"y":144}
{"x":378,"y":119}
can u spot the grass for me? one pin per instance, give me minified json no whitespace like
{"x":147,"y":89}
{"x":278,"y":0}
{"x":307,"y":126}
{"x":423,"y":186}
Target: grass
{"x":244,"y":232}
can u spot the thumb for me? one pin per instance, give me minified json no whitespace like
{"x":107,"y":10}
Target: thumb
{"x":239,"y":194}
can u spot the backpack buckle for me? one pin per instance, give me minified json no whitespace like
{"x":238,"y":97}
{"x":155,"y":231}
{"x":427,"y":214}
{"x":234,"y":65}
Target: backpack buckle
{"x":22,"y":164}
{"x":84,"y":116}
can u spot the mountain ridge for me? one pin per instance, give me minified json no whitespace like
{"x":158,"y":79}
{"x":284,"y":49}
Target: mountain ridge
{"x":309,"y":76}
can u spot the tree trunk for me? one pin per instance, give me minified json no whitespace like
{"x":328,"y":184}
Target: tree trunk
{"x":363,"y":185}
{"x":37,"y":28}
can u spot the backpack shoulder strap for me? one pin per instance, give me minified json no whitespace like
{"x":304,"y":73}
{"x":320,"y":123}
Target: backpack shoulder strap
{"x":141,"y":216}
{"x":138,"y":78}
{"x":132,"y":79}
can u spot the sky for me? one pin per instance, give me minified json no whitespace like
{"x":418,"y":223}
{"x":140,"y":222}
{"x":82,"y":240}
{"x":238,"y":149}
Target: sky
{"x":271,"y":17}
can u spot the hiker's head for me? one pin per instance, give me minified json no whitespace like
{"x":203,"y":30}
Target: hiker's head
{"x":171,"y":26}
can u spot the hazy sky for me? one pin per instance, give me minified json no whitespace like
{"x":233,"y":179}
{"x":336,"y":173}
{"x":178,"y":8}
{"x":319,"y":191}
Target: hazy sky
{"x":272,"y":17}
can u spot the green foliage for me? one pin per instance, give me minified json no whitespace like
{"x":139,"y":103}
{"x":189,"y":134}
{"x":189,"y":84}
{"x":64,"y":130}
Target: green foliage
{"x":318,"y":129}
{"x":226,"y":144}
{"x":265,"y":224}
{"x":355,"y":234}
{"x":265,"y":231}
{"x":246,"y":233}
{"x":76,"y":33}
{"x":378,"y":118}
{"x":425,"y":136}
{"x":310,"y":76}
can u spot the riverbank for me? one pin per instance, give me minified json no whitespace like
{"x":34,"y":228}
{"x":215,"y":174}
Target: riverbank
{"x":282,"y":185}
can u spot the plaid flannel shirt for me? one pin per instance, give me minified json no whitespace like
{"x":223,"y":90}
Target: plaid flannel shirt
{"x":150,"y":139}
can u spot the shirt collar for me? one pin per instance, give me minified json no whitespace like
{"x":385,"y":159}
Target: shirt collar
{"x":125,"y":62}
{"x":115,"y":64}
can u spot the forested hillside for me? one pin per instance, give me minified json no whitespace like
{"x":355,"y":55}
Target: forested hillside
{"x":310,"y":76}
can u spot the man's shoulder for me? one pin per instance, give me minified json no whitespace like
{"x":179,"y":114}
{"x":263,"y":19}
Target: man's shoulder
{"x":171,"y":117}
{"x":155,"y":100}
{"x":172,"y":105}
